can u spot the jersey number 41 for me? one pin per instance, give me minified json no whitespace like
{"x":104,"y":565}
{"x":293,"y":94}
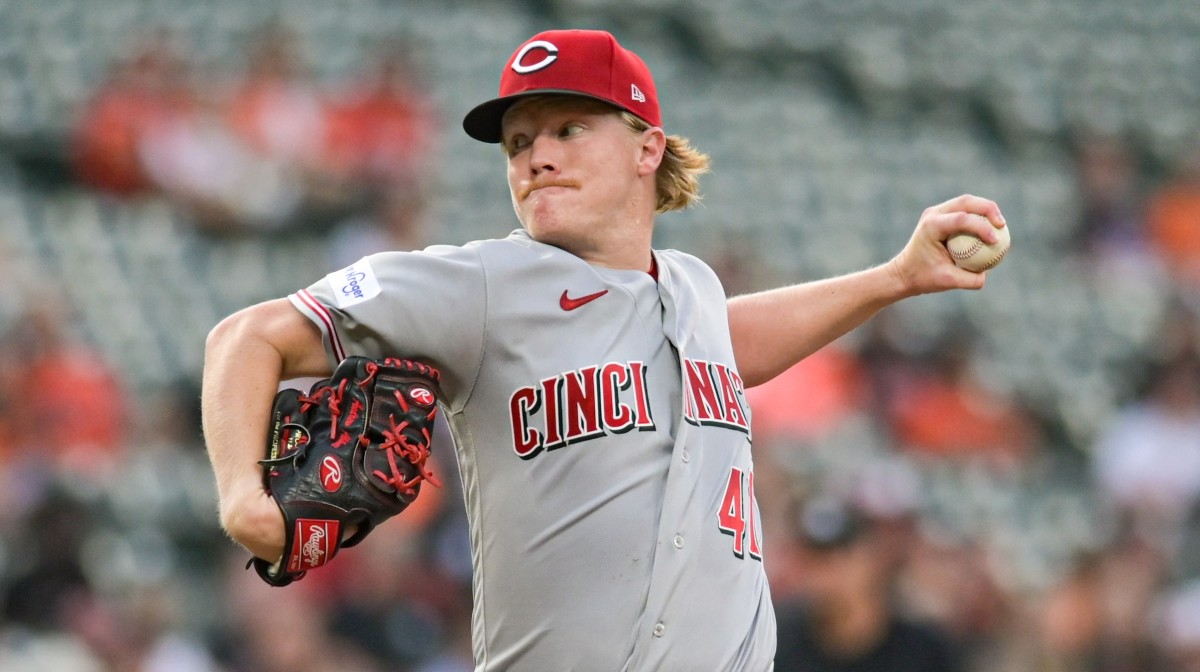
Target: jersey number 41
{"x":738,"y":513}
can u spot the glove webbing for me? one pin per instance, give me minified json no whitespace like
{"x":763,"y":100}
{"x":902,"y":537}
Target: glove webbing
{"x":395,"y":442}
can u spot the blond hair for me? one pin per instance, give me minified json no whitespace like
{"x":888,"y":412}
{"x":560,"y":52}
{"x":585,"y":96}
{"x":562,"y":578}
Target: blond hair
{"x":678,"y":177}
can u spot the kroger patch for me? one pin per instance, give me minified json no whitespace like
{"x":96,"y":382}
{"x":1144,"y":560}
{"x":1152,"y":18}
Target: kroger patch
{"x":354,"y":284}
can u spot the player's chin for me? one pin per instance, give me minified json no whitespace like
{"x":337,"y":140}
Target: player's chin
{"x":545,"y":226}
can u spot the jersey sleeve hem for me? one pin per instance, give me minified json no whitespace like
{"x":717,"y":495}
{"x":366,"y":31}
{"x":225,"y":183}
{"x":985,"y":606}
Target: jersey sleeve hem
{"x":319,"y":314}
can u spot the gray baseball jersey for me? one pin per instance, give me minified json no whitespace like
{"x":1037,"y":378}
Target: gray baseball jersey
{"x":603,"y":441}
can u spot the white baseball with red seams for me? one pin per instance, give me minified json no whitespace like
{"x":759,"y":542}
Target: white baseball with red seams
{"x":603,"y":442}
{"x":973,"y":254}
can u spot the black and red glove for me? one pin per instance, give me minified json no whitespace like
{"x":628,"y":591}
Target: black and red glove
{"x":345,"y":457}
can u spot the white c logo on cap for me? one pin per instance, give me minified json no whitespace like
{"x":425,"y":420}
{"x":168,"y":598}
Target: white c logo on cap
{"x":551,"y":56}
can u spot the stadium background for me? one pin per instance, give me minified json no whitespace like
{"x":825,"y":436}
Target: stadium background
{"x":1039,"y":440}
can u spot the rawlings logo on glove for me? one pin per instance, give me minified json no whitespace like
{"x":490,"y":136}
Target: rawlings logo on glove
{"x":346,"y":457}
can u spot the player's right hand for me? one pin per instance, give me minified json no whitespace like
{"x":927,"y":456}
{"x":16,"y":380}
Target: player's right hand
{"x":924,"y":265}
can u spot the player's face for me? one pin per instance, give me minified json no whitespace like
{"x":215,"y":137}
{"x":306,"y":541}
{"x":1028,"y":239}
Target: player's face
{"x":573,"y":170}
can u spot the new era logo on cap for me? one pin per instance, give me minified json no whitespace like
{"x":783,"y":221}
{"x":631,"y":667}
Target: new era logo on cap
{"x":586,"y":63}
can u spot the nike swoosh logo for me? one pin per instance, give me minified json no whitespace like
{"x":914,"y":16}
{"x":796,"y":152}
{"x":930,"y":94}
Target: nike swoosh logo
{"x":567,"y":303}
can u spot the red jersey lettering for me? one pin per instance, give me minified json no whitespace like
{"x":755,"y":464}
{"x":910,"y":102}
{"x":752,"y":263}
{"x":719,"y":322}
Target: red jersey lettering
{"x":732,"y":394}
{"x":637,"y":373}
{"x":583,"y":405}
{"x":738,"y":515}
{"x":527,"y":441}
{"x":552,"y":417}
{"x":701,"y":392}
{"x":614,"y":379}
{"x":579,"y":405}
{"x":714,"y":394}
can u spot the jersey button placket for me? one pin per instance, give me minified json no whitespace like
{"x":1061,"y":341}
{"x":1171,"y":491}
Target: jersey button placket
{"x":678,"y":541}
{"x":659,"y":629}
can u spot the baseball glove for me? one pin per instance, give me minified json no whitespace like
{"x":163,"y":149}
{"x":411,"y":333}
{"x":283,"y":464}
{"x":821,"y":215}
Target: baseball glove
{"x":345,"y":457}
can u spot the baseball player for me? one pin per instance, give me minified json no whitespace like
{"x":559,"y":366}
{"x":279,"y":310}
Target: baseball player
{"x":594,"y":386}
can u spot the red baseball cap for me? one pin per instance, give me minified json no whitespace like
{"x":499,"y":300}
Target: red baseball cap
{"x":587,"y":63}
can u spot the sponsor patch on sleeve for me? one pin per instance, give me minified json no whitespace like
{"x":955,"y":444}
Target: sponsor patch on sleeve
{"x":354,"y":284}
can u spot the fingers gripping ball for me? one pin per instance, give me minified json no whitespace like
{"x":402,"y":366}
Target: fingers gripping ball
{"x":973,"y":254}
{"x":346,"y":457}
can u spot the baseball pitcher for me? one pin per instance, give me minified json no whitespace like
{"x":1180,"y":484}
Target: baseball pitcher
{"x":594,"y":386}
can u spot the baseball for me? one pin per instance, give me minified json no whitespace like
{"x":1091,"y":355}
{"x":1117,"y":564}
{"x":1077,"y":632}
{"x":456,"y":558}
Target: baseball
{"x":972,"y":254}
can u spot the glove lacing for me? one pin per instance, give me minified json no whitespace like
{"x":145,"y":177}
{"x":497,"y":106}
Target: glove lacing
{"x":395,"y":443}
{"x":417,"y":454}
{"x":334,"y":399}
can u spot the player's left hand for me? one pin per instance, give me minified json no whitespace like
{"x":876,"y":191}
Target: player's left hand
{"x":925,"y":265}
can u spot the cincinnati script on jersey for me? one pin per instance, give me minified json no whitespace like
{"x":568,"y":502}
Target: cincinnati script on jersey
{"x":612,"y":398}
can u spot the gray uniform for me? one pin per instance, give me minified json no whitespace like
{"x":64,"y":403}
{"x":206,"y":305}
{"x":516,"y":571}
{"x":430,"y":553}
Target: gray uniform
{"x":602,"y":436}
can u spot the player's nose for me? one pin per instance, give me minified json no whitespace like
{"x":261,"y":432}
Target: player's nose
{"x":543,"y":155}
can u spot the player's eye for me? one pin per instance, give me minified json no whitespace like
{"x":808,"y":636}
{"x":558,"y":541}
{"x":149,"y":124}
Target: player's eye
{"x":573,"y":128}
{"x":516,"y":144}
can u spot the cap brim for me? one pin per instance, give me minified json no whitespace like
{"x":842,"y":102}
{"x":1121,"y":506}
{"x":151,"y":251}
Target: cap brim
{"x":483,"y":122}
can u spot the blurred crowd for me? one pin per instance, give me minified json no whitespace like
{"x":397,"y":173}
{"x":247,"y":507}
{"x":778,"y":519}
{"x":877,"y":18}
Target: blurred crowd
{"x":268,"y":148}
{"x":869,"y":573}
{"x":876,"y":456}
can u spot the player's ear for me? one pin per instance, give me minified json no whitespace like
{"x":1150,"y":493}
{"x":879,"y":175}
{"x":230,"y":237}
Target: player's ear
{"x":653,"y":145}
